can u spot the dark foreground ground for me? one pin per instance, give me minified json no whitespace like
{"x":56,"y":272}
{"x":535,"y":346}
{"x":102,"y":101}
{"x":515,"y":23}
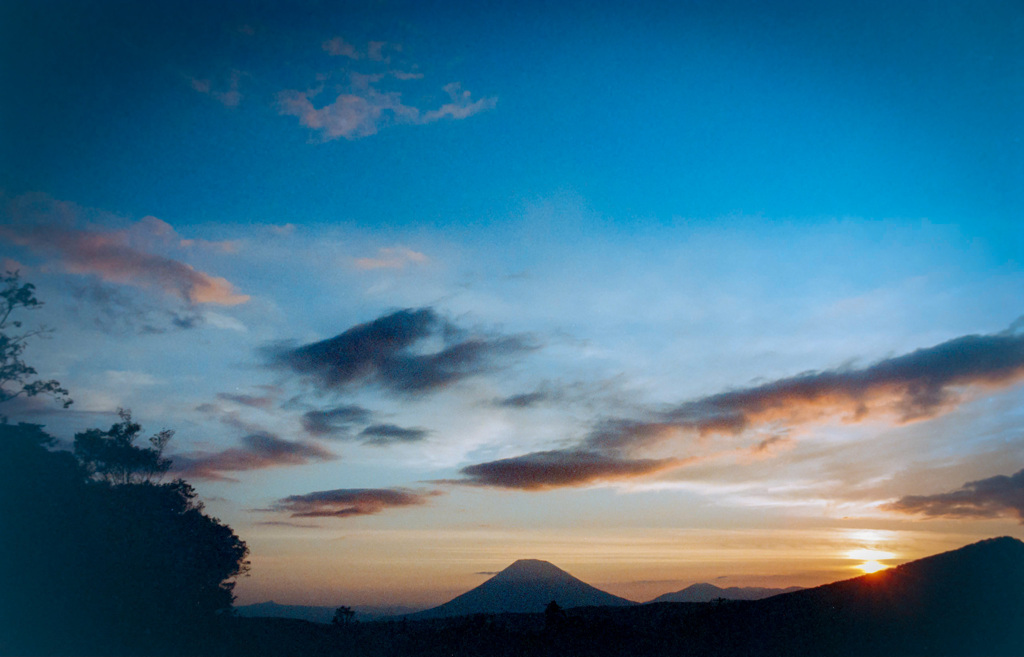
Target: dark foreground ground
{"x":966,"y":602}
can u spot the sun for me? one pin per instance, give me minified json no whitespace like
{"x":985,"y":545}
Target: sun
{"x":872,"y":559}
{"x":872,"y":567}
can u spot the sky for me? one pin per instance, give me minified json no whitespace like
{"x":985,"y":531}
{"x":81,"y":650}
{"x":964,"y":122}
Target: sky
{"x":662,"y":293}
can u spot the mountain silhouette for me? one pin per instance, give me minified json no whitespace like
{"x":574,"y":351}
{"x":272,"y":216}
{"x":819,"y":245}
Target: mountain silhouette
{"x":968,"y":601}
{"x":709,"y":592}
{"x":527,"y":586}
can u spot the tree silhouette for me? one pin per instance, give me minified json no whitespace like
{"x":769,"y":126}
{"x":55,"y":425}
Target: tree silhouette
{"x":16,"y":377}
{"x":96,"y":555}
{"x":113,"y":456}
{"x":343,"y":616}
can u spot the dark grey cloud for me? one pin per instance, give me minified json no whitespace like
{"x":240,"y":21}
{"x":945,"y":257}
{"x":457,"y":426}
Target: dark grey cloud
{"x":347,"y":502}
{"x":986,"y":498}
{"x":390,"y":434}
{"x":525,"y":400}
{"x":559,"y":468}
{"x":116,"y":311}
{"x":334,"y":422}
{"x":257,"y":452}
{"x":389,"y":351}
{"x":255,"y":401}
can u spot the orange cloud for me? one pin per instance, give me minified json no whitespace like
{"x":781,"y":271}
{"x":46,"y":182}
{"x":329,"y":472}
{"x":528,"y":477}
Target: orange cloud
{"x":110,"y":256}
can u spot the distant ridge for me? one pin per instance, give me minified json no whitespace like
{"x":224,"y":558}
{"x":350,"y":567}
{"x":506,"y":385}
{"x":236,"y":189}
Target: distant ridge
{"x":710,"y":592}
{"x":315,"y":614}
{"x":526,"y":586}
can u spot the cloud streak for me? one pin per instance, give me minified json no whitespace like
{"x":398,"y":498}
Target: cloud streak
{"x":349,"y":502}
{"x":911,"y":387}
{"x":383,"y":435}
{"x":559,"y":468}
{"x":334,"y":421}
{"x":914,"y":386}
{"x":986,"y":498}
{"x":258,"y":452}
{"x":389,"y":352}
{"x":110,"y":256}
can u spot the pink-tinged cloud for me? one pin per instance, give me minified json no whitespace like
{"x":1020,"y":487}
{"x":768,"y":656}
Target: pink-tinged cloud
{"x":348,"y":502}
{"x":461,"y":106}
{"x":258,"y":452}
{"x":110,"y":256}
{"x":227,"y":95}
{"x":987,"y":498}
{"x":392,"y":258}
{"x":559,"y":469}
{"x":911,"y":387}
{"x":338,"y":47}
{"x":364,"y":110}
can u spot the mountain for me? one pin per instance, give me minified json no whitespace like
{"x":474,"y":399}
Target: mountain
{"x":968,"y":601}
{"x":315,"y":614}
{"x":710,"y":592}
{"x":527,"y":586}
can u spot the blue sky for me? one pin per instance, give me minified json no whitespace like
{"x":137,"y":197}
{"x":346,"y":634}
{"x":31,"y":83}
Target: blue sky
{"x":585,"y":224}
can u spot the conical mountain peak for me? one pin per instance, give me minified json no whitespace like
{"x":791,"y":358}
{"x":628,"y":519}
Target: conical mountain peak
{"x":526,"y":586}
{"x":533,"y":569}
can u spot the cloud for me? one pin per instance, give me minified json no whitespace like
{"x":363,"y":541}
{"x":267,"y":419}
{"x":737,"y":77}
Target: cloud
{"x":338,"y":47}
{"x":525,"y":400}
{"x":914,"y":386}
{"x":110,"y":256}
{"x":461,"y":106}
{"x":226,"y":92}
{"x":347,"y":502}
{"x":361,"y":108}
{"x":389,"y":352}
{"x":559,"y":468}
{"x":258,"y":452}
{"x":350,"y":115}
{"x":334,"y":421}
{"x":389,"y":434}
{"x":392,"y":258}
{"x":112,"y":310}
{"x":987,"y":498}
{"x":254,"y":401}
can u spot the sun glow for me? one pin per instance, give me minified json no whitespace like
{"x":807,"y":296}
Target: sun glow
{"x":872,"y":567}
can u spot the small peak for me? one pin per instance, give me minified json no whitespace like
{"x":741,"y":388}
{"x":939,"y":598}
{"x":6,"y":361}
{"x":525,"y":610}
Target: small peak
{"x":533,"y":568}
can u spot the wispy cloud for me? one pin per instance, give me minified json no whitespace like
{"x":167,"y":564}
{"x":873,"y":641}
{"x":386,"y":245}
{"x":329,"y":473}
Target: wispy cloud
{"x":388,"y":352}
{"x":348,"y":502}
{"x":257,"y":452}
{"x":390,"y":434}
{"x":911,"y":387}
{"x":335,"y":421}
{"x":113,"y":257}
{"x":362,"y":107}
{"x":224,"y":91}
{"x":915,"y":386}
{"x":986,"y":498}
{"x":559,"y":468}
{"x":392,"y":258}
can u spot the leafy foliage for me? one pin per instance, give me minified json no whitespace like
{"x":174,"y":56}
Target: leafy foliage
{"x":16,"y":377}
{"x":113,"y":456}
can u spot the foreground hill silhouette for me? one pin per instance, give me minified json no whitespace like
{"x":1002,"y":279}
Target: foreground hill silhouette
{"x":527,"y":586}
{"x":709,"y":593}
{"x":964,"y":602}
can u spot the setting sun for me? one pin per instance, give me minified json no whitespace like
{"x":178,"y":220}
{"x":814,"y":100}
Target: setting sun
{"x":872,"y":567}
